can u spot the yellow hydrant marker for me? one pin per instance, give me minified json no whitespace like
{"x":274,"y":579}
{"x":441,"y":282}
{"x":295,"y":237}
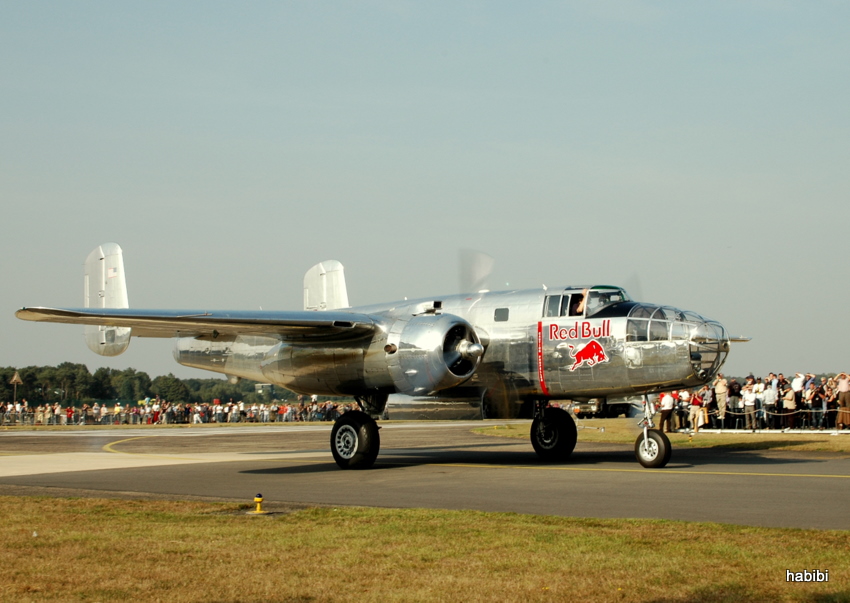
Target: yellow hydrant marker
{"x":259,"y":510}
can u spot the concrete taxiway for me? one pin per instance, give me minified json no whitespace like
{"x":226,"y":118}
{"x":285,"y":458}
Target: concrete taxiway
{"x":435,"y":465}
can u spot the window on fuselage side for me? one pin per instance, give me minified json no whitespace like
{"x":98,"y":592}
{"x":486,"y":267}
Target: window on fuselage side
{"x":551,"y":305}
{"x":681,"y":331}
{"x":658,"y":330}
{"x":501,"y":314}
{"x":636,"y":330}
{"x":565,"y":304}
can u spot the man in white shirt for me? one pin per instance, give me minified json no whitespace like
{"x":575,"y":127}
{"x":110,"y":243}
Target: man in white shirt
{"x":721,"y":389}
{"x":667,"y":404}
{"x":749,"y":397}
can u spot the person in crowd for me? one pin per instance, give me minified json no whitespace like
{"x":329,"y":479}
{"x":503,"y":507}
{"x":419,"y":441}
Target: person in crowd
{"x":695,"y":411}
{"x":734,"y":401}
{"x":721,"y":390}
{"x":758,"y":390}
{"x":797,"y":384}
{"x":789,"y":404}
{"x":814,"y":398}
{"x":749,"y":398}
{"x":709,"y":408}
{"x":769,"y":407}
{"x":842,"y":381}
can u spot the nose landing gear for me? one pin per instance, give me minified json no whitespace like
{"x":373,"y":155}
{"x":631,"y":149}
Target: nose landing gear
{"x":652,"y":447}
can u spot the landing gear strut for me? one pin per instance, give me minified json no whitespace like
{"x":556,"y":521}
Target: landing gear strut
{"x":553,"y":433}
{"x":652,"y":447}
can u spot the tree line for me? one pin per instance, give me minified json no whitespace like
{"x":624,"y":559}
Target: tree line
{"x":71,"y":383}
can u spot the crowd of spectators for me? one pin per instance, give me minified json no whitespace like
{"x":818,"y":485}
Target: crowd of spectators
{"x":161,"y":412}
{"x":772,"y":402}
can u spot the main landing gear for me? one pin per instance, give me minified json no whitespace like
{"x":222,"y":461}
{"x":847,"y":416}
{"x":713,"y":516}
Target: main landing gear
{"x":652,"y":447}
{"x":355,"y":440}
{"x":553,"y":433}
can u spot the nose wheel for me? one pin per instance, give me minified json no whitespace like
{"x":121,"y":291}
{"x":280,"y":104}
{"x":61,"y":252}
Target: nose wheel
{"x":653,"y":449}
{"x":355,"y":441}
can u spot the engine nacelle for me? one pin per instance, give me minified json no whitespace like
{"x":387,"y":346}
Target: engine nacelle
{"x":416,"y":355}
{"x":431,"y":352}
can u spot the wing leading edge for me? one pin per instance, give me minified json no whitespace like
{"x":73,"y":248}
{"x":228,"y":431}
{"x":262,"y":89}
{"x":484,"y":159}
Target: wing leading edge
{"x":196,"y":323}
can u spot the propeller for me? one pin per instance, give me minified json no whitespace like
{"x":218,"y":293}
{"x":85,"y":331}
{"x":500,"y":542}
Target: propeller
{"x":461,"y":351}
{"x":633,"y":286}
{"x":475,"y":270}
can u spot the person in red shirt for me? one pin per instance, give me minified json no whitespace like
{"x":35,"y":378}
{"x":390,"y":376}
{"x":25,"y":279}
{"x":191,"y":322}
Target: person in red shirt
{"x":695,"y":415}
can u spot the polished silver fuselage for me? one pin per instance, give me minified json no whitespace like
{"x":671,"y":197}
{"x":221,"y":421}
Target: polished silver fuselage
{"x":623,"y":349}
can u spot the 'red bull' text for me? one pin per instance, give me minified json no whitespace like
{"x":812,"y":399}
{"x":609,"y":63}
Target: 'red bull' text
{"x":580,"y":330}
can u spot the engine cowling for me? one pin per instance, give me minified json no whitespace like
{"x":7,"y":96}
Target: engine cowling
{"x":413,"y":354}
{"x":431,"y":352}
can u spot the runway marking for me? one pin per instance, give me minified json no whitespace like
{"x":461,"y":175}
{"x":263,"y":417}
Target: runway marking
{"x":644,"y":471}
{"x":109,"y":448}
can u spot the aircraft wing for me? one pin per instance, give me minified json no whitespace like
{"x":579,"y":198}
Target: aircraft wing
{"x":195,"y":323}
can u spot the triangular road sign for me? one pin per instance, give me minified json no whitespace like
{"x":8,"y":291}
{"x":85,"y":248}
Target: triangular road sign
{"x":16,"y":380}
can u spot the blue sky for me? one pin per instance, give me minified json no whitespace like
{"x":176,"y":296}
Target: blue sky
{"x":698,"y":148}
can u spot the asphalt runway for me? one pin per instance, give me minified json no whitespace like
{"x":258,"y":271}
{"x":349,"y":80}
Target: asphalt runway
{"x":433,"y":465}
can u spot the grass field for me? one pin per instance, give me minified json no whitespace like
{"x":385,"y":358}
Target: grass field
{"x":625,"y":431}
{"x":103,"y":550}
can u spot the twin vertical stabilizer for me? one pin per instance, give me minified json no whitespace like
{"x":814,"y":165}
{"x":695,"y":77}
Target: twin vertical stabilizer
{"x":324,"y":287}
{"x":106,"y":287}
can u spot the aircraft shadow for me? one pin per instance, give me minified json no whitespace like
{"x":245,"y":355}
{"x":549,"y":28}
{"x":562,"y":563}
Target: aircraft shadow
{"x":474,"y":455}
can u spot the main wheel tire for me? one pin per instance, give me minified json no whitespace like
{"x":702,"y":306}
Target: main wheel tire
{"x":554,"y":435}
{"x":657,"y":452}
{"x":355,"y":441}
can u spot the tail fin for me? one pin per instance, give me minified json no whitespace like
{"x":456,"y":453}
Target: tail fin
{"x":324,"y":287}
{"x":106,"y":287}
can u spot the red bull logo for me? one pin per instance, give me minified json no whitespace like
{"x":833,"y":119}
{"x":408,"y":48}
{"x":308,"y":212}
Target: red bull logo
{"x":592,"y":353}
{"x":584,"y":329}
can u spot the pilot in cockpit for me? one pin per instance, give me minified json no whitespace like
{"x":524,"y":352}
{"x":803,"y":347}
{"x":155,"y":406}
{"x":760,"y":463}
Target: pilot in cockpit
{"x":577,"y":303}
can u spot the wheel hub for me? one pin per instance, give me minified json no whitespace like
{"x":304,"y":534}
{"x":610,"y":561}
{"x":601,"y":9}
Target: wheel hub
{"x":649,"y":449}
{"x":345,"y":441}
{"x":546,"y":436}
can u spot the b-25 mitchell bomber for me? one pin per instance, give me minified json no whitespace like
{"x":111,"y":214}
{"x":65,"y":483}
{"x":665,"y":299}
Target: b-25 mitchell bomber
{"x":512,"y":351}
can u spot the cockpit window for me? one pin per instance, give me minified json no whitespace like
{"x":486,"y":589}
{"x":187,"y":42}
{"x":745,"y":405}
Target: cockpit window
{"x":658,"y":330}
{"x":636,"y":330}
{"x":680,"y":330}
{"x":665,"y":314}
{"x":692,"y":317}
{"x":553,"y":302}
{"x":575,"y":307}
{"x":602,"y":297}
{"x":643,"y":311}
